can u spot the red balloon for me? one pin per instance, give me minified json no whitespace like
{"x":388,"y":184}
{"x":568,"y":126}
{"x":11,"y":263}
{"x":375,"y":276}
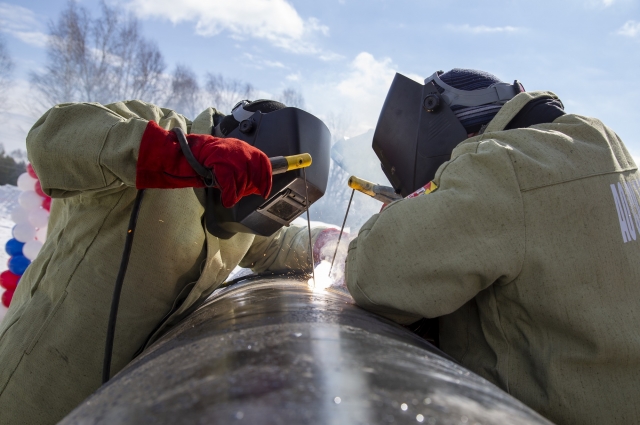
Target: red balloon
{"x":39,"y":189}
{"x":46,"y":203}
{"x":31,"y":171}
{"x":6,"y":298}
{"x":9,"y":280}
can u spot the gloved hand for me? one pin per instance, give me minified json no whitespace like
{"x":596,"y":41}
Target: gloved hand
{"x":323,"y":251}
{"x":239,"y":168}
{"x":325,"y":244}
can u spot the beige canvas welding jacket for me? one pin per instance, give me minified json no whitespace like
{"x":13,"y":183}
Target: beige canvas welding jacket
{"x":52,"y":339}
{"x":529,"y":252}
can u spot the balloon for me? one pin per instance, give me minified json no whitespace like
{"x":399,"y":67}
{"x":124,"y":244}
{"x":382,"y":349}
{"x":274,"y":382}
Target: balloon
{"x":26,"y":182}
{"x":14,"y":247}
{"x":19,"y":214}
{"x":18,"y":264}
{"x":31,"y":249}
{"x":8,"y":280}
{"x":46,"y":203}
{"x":39,"y":218}
{"x":6,"y":298}
{"x":29,"y":200}
{"x":41,"y":234}
{"x":38,"y":189}
{"x":31,"y":171}
{"x":24,"y":232}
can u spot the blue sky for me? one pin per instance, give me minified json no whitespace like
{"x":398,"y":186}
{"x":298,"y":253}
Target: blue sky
{"x":342,"y":54}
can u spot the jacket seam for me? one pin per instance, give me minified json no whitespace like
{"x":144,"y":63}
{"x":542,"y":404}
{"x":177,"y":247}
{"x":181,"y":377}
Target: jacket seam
{"x":367,"y":296}
{"x":524,"y":221}
{"x":451,"y":161}
{"x":6,"y":384}
{"x":46,"y":324}
{"x":99,"y":162}
{"x":38,"y":334}
{"x":522,"y":260}
{"x":65,"y":290}
{"x":524,"y":256}
{"x":579,"y":178}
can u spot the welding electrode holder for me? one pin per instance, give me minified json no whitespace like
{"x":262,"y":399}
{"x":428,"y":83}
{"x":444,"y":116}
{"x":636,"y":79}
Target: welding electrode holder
{"x":384,"y":194}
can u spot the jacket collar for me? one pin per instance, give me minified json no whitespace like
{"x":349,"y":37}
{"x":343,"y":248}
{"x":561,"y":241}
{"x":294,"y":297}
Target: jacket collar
{"x":512,"y":107}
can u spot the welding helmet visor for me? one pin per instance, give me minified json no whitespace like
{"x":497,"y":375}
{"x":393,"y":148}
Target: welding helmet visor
{"x":280,"y":132}
{"x":417,"y":130}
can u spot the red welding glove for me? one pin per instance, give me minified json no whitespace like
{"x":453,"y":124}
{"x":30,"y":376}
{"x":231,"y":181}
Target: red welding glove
{"x":239,"y":168}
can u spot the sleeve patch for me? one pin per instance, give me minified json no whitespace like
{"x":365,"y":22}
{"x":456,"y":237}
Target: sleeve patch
{"x":424,"y":190}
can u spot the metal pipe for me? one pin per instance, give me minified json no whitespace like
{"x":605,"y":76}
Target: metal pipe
{"x":274,"y":351}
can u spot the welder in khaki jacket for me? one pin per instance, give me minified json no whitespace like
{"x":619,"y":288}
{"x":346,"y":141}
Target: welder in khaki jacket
{"x":525,"y":243}
{"x":92,"y":159}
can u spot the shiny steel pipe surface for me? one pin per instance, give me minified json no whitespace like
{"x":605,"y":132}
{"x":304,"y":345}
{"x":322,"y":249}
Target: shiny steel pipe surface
{"x":273,"y":351}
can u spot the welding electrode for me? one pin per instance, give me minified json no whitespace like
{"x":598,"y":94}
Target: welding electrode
{"x":384,"y":194}
{"x":341,"y":230}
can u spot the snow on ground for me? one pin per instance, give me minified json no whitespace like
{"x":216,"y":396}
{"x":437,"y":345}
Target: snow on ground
{"x":8,"y":200}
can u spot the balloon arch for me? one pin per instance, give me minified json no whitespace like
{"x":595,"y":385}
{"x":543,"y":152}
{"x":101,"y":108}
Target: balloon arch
{"x":31,"y":216}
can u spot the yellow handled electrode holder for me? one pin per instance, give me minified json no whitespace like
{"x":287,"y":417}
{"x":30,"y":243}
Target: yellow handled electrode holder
{"x":282,"y":164}
{"x":362,"y":185}
{"x":384,"y":194}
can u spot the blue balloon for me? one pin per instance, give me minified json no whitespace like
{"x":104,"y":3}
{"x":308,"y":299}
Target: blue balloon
{"x":14,"y":247}
{"x":18,"y":264}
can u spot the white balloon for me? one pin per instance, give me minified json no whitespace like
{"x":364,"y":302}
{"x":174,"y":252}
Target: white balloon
{"x":19,"y":214}
{"x":30,"y":200}
{"x":31,"y":249}
{"x":41,"y":234}
{"x":26,"y":182}
{"x":24,"y":232}
{"x":39,"y":218}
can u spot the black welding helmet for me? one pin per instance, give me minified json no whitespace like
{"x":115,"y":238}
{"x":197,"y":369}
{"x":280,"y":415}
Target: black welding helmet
{"x":421,"y":124}
{"x":276,"y":130}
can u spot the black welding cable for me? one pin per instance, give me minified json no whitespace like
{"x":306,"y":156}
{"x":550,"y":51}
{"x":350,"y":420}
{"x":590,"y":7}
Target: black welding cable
{"x":117,"y":290}
{"x":209,"y":180}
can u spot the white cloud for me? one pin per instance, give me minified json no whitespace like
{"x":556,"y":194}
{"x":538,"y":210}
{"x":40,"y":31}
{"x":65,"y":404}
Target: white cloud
{"x":356,"y":95}
{"x":367,"y":78}
{"x":602,"y":4}
{"x":483,"y":29}
{"x":22,"y":23}
{"x":294,"y":77}
{"x":260,"y":63}
{"x":330,"y":56}
{"x":630,"y":29}
{"x":275,"y":21}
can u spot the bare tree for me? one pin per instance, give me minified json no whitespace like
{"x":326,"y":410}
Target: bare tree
{"x":6,"y":69}
{"x":224,"y":93}
{"x":105,"y":59}
{"x":292,"y":97}
{"x":185,"y":96}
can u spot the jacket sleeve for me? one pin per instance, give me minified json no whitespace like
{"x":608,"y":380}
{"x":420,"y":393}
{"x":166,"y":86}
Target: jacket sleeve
{"x":285,"y":250}
{"x":428,"y":256}
{"x":88,"y":147}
